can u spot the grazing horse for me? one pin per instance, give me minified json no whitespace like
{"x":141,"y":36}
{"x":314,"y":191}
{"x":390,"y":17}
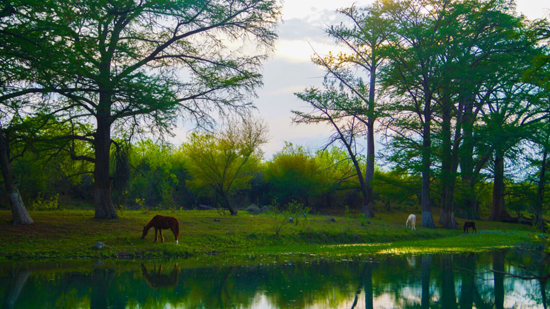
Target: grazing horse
{"x":162,"y":223}
{"x":468,"y":225}
{"x":411,"y":222}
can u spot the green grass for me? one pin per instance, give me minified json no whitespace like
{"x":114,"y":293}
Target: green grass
{"x":72,"y":233}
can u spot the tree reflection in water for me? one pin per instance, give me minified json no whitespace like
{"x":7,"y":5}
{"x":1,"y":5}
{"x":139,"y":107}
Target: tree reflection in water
{"x":12,"y":294}
{"x":493,"y":280}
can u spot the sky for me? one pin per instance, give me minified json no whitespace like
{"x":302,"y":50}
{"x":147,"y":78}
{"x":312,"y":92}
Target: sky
{"x":290,"y":70}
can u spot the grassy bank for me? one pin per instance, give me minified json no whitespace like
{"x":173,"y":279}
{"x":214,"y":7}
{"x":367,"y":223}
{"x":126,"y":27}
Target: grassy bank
{"x":72,"y":233}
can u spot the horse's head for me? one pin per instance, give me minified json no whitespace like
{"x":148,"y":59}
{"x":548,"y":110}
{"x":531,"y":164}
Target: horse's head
{"x":145,"y":230}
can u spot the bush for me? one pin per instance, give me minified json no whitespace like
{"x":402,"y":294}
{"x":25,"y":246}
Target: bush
{"x":289,"y":214}
{"x":41,"y":203}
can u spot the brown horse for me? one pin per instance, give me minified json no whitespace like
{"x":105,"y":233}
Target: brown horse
{"x":162,"y":223}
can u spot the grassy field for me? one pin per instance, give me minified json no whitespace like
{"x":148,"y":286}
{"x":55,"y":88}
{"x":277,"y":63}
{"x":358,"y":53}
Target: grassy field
{"x":72,"y":233}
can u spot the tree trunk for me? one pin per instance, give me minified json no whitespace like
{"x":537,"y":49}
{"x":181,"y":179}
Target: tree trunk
{"x":369,"y":173}
{"x":498,"y":211}
{"x":542,"y":283}
{"x":368,"y":212}
{"x":447,"y":217}
{"x":227,"y":204}
{"x":369,"y":300}
{"x":426,"y":264}
{"x":15,"y":288}
{"x":104,"y":208}
{"x":448,"y":295}
{"x":498,"y":266}
{"x":427,"y":218}
{"x":101,"y":282}
{"x":469,"y":210}
{"x":18,"y":211}
{"x":540,"y":192}
{"x":467,"y":288}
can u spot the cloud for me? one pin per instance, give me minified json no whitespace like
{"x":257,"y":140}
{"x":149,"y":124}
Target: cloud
{"x":282,"y":130}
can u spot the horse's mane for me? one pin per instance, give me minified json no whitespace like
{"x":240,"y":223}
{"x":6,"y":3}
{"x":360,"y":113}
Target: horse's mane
{"x":149,"y":222}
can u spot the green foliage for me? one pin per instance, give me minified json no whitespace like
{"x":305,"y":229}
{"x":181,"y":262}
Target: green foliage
{"x":294,"y":175}
{"x":397,"y":190}
{"x":120,"y":66}
{"x":41,"y":203}
{"x":153,"y":177}
{"x":223,"y":163}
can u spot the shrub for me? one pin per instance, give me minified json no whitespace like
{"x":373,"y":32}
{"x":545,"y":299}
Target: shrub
{"x":282,"y":217}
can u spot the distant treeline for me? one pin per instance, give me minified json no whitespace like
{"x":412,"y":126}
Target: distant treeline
{"x":158,"y":175}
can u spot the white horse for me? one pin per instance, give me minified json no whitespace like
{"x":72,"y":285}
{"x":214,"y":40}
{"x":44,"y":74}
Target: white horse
{"x":411,"y":222}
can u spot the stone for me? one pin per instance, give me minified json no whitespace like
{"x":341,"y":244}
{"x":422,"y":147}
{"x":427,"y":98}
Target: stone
{"x":205,"y":207}
{"x":253,"y":209}
{"x":99,"y":245}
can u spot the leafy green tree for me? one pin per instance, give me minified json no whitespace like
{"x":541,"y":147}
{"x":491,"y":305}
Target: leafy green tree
{"x":339,"y":175}
{"x":490,"y":39}
{"x":480,"y":38}
{"x":509,"y":118}
{"x":543,"y":141}
{"x":448,"y":62}
{"x":153,"y":174}
{"x":225,"y":161}
{"x":134,"y":66}
{"x":364,"y":37}
{"x":412,"y":77}
{"x":398,"y":188}
{"x":369,"y":32}
{"x":293,"y":174}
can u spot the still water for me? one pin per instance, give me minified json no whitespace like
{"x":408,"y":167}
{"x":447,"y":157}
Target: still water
{"x":500,"y":279}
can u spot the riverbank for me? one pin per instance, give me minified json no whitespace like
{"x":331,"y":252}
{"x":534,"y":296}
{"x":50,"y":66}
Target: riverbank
{"x":72,"y":234}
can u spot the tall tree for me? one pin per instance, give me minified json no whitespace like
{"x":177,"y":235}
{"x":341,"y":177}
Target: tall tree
{"x":478,"y":37}
{"x":12,"y":74}
{"x":19,"y":212}
{"x":363,"y":37}
{"x":414,"y":51}
{"x":224,"y":161}
{"x":138,"y":64}
{"x":542,"y":140}
{"x":509,"y":117}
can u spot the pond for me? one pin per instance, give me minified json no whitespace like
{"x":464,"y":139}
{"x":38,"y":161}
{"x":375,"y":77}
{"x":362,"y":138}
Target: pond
{"x":500,"y":279}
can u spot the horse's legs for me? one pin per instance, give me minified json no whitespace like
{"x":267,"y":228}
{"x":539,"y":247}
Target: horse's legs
{"x":161,"y":236}
{"x":156,"y":234}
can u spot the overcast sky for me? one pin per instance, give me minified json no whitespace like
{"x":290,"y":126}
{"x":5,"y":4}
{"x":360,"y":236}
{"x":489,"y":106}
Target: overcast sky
{"x":290,"y":70}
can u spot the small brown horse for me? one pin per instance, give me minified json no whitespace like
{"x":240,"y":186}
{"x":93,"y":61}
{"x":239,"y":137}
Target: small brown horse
{"x":162,"y":223}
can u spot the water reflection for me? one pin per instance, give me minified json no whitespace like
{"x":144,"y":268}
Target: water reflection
{"x":157,"y":279}
{"x":429,"y":281}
